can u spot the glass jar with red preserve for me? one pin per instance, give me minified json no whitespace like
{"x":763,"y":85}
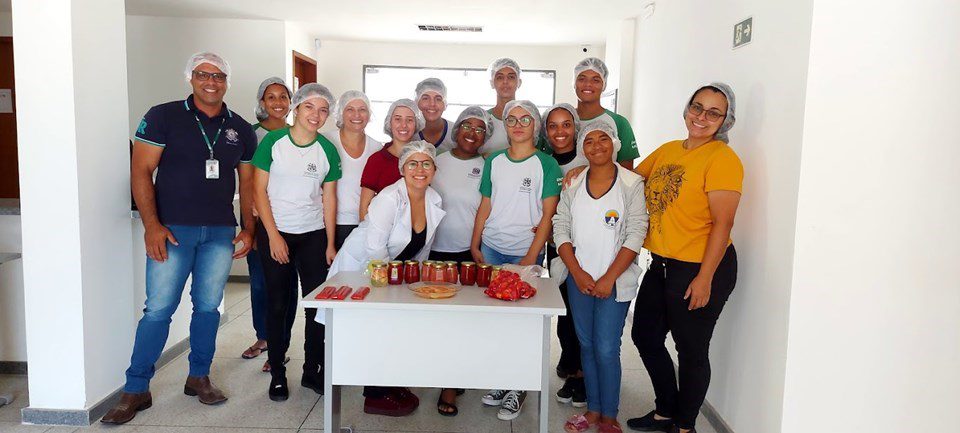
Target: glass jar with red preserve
{"x":438,"y":268}
{"x":450,"y":272}
{"x":468,"y":273}
{"x":484,"y":272}
{"x":411,"y":272}
{"x":426,"y":270}
{"x":395,"y":273}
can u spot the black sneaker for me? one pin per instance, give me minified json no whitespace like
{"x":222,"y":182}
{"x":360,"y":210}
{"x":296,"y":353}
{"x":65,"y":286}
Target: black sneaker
{"x":563,"y":372}
{"x":278,"y":389}
{"x":649,"y":423}
{"x":565,"y":393}
{"x":312,"y":381}
{"x":579,"y":393}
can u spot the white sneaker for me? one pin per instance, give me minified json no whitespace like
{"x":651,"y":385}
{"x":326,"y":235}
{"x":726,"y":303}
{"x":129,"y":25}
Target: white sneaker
{"x":494,"y":397}
{"x":512,"y":403}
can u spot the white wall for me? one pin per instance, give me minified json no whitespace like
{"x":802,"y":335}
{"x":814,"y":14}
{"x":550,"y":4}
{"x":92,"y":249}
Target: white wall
{"x":13,"y":337}
{"x":158,"y":49}
{"x":6,"y":24}
{"x":874,"y":323}
{"x":620,"y":48}
{"x":685,"y":44}
{"x":340,"y":63}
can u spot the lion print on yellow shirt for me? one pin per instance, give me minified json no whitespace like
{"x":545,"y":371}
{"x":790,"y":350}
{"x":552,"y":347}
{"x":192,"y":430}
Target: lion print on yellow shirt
{"x":662,"y":190}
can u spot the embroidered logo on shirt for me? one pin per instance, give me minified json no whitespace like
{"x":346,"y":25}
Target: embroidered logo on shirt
{"x":311,"y":171}
{"x":611,"y":217}
{"x":525,"y":185}
{"x":475,"y":173}
{"x":232,"y":136}
{"x":142,"y":129}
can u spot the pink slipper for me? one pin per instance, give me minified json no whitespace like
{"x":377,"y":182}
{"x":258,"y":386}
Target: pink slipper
{"x":576,"y":424}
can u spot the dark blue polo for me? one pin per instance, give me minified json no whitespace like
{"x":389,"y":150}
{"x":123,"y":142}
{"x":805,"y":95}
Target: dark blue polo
{"x":184,"y":195}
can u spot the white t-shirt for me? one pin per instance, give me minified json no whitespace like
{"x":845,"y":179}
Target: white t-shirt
{"x":497,"y":140}
{"x":595,"y":226}
{"x":516,"y":190}
{"x":297,"y":175}
{"x":458,"y":182}
{"x":348,"y":187}
{"x":447,"y":141}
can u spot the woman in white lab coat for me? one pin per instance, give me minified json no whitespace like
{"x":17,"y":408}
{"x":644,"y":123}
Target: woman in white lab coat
{"x":400,"y":225}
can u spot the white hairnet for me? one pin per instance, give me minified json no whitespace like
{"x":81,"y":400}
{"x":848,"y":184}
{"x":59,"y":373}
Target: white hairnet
{"x":312,"y":91}
{"x":206,"y":57}
{"x":421,"y":122}
{"x":476,"y":112}
{"x":415,"y":147}
{"x":530,"y":108}
{"x":606,"y":128}
{"x":563,"y":106}
{"x":731,"y":116}
{"x":431,"y":85}
{"x":592,"y":64}
{"x":503,"y":63}
{"x":261,"y":111}
{"x":346,"y":98}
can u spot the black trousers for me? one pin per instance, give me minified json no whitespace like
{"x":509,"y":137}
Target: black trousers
{"x":462,"y":256}
{"x":660,"y":308}
{"x":569,"y":344}
{"x":307,"y":254}
{"x":340,"y":236}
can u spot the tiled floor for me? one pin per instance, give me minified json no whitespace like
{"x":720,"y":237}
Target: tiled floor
{"x":249,"y":410}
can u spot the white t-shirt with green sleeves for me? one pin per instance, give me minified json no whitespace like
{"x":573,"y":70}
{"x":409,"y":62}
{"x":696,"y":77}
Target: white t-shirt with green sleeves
{"x":628,"y":142}
{"x":297,"y":175}
{"x":516,"y":190}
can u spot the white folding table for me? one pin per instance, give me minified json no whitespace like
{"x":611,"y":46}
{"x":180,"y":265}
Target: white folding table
{"x":395,"y":338}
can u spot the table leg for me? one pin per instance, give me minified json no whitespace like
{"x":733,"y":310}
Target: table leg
{"x":545,"y":378}
{"x":331,"y":392}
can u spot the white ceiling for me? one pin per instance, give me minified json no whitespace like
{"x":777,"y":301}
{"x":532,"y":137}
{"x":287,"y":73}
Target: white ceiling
{"x":525,"y":22}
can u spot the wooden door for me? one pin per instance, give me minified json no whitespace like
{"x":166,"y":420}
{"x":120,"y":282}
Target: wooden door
{"x":9,"y":173}
{"x":304,"y":70}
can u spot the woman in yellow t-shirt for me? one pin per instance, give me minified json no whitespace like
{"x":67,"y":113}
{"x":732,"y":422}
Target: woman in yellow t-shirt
{"x":692,"y":190}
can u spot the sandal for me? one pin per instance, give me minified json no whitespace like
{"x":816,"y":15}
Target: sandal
{"x":443,"y":407}
{"x":253,"y":352}
{"x":610,"y":428}
{"x":576,"y":424}
{"x":266,"y":364}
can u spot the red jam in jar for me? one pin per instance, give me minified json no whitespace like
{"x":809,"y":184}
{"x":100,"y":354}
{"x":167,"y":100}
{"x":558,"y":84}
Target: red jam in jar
{"x":411,"y":272}
{"x":438,"y":268}
{"x":450,"y":272}
{"x":395,"y":273}
{"x":484,"y":272}
{"x":468,"y":273}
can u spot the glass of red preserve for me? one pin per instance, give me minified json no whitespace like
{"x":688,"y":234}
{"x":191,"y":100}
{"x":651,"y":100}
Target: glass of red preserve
{"x":468,"y":273}
{"x":411,"y":272}
{"x":438,"y":268}
{"x":484,"y":272}
{"x":395,"y":273}
{"x":426,"y":270}
{"x":450,"y":272}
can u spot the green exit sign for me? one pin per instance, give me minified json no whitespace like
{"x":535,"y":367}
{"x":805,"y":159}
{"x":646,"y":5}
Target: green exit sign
{"x":743,"y":33}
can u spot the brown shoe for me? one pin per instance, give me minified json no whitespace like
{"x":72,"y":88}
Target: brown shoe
{"x":201,"y":386}
{"x":127,"y":407}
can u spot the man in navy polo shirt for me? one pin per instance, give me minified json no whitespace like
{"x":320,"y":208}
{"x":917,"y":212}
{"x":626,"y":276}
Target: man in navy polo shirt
{"x":195,"y":145}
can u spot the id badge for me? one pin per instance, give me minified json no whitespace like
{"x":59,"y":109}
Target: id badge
{"x":213,"y":169}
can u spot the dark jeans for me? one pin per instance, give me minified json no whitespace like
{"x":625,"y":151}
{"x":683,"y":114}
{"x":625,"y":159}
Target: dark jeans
{"x":341,"y":234}
{"x":258,"y":294}
{"x":660,"y":308}
{"x":307,"y":254}
{"x":566,"y":333}
{"x":462,"y":256}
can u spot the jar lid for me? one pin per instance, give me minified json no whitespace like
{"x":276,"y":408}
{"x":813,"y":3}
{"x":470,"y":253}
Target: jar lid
{"x":483,"y":265}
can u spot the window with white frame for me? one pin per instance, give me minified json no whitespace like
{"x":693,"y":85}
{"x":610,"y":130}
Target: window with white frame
{"x":465,"y":87}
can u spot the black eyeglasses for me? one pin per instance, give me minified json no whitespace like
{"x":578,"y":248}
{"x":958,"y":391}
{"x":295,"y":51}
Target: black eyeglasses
{"x":712,"y":115}
{"x":524,"y":121}
{"x":218,"y":77}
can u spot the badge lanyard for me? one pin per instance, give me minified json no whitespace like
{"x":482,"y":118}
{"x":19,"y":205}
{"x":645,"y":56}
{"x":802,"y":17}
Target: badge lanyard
{"x":212,"y":168}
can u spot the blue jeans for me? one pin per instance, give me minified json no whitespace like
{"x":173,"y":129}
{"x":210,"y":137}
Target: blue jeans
{"x":497,"y":258}
{"x":258,"y":295}
{"x":206,"y":253}
{"x":599,"y":325}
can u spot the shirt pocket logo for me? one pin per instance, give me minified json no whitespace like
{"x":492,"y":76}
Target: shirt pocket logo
{"x":611,"y":218}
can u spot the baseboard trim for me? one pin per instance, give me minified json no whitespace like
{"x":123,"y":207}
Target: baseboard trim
{"x":13,"y":367}
{"x":85,"y":417}
{"x":714,"y":418}
{"x":243,"y":279}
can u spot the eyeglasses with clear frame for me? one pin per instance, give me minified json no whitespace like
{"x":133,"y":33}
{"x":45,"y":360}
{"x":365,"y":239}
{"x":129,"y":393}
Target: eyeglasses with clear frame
{"x":412,"y":165}
{"x":467,"y":128}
